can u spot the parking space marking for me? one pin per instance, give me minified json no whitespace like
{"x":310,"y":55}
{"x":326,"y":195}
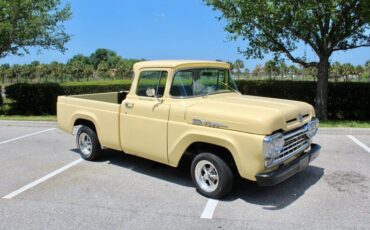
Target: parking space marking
{"x":28,"y":135}
{"x":42,"y":179}
{"x":209,"y":209}
{"x":362,"y":145}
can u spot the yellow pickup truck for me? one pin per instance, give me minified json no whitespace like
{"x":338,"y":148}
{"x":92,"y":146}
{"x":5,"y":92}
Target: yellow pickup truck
{"x":180,"y":109}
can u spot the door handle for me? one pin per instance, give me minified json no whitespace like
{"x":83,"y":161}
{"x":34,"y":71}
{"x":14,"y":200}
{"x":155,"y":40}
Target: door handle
{"x":129,"y":105}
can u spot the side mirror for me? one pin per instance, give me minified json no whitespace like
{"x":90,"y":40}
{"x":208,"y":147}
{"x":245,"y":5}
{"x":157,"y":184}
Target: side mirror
{"x":150,"y":92}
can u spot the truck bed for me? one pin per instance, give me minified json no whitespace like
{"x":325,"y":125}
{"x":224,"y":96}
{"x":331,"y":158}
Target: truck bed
{"x":103,"y":109}
{"x":113,"y":97}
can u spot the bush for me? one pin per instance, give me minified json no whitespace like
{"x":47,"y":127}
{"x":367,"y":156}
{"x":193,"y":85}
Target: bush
{"x":86,"y":89}
{"x":348,"y":101}
{"x":33,"y":99}
{"x":40,"y":99}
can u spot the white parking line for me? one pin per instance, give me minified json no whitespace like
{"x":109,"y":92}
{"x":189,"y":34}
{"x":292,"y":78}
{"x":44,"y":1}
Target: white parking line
{"x":42,"y":179}
{"x":362,"y":145}
{"x":209,"y":209}
{"x":28,"y":135}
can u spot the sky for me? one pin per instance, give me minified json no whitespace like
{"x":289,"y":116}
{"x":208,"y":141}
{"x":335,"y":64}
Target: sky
{"x":157,"y":29}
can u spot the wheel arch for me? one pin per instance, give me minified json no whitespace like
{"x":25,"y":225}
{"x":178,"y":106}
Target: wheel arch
{"x":192,"y":144}
{"x":87,"y":120}
{"x":198,"y":147}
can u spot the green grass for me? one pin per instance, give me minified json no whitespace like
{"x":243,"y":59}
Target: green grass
{"x":28,"y":118}
{"x":344,"y":124}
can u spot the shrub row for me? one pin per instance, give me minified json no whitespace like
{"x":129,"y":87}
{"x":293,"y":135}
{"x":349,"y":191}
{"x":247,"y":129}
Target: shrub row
{"x":345,"y":100}
{"x":40,"y":99}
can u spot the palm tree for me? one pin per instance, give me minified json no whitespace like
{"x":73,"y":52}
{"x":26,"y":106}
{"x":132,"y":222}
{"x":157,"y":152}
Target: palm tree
{"x":293,"y":70}
{"x":271,"y":68}
{"x":4,"y":72}
{"x":348,"y":70}
{"x":359,"y":70}
{"x":257,"y":71}
{"x":238,"y":66}
{"x":283,"y":69}
{"x":336,"y":70}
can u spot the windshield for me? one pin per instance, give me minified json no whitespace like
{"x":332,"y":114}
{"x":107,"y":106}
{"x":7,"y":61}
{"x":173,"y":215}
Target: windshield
{"x":200,"y":82}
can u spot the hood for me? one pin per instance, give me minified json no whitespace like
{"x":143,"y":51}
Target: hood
{"x":251,"y":114}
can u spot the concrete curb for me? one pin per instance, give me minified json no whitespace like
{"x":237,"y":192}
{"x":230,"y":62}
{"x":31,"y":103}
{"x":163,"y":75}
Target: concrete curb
{"x":28,"y":123}
{"x":344,"y":131}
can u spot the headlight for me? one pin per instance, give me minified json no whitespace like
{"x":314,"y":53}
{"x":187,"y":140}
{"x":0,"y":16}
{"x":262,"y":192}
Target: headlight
{"x":312,"y":128}
{"x":273,"y":145}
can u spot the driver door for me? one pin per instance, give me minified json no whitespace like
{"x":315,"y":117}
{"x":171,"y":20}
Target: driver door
{"x":144,"y":118}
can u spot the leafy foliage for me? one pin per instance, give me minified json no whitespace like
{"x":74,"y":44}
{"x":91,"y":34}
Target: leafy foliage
{"x":279,"y":27}
{"x":32,"y":23}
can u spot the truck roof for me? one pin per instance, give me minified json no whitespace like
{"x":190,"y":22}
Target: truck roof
{"x":179,"y":63}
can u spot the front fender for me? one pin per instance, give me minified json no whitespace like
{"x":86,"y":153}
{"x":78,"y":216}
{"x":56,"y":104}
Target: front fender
{"x":246,"y":149}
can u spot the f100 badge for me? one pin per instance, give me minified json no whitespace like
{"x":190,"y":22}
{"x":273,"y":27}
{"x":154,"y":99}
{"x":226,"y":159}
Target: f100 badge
{"x":208,"y":123}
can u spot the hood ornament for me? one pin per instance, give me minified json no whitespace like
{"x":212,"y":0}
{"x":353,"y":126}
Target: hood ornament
{"x":300,"y":118}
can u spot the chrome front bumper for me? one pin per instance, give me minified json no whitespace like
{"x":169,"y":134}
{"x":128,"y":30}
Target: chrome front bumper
{"x":287,"y":170}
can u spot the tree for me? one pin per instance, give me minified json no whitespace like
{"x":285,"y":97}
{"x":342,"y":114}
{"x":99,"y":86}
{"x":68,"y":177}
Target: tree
{"x":359,"y":70}
{"x":32,"y":23}
{"x":56,"y":70}
{"x":280,"y":26}
{"x":238,"y":66}
{"x":247,"y":72}
{"x":348,"y":70}
{"x":104,"y":55}
{"x":336,"y":70}
{"x":283,"y":69}
{"x":367,"y":69}
{"x":293,"y":70}
{"x":4,"y":72}
{"x":271,"y":68}
{"x":257,"y":71}
{"x":103,"y":69}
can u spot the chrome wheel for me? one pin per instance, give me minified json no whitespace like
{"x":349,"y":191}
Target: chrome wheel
{"x":85,"y":144}
{"x":206,"y":176}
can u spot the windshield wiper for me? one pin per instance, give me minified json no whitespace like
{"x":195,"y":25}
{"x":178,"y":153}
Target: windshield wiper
{"x":229,"y":87}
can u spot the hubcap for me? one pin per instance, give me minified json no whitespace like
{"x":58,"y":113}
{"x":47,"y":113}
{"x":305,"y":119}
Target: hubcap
{"x":206,"y":175}
{"x":85,"y":144}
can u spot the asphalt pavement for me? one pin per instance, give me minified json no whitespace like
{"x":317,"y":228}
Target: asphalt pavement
{"x":45,"y":185}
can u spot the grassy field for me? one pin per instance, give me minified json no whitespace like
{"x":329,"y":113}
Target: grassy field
{"x":28,"y":118}
{"x":344,"y":124}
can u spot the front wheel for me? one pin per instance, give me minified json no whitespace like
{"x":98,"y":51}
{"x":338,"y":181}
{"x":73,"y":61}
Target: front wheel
{"x":211,"y":175}
{"x":88,"y":143}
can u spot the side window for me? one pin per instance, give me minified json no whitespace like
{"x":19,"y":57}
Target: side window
{"x":151,"y":80}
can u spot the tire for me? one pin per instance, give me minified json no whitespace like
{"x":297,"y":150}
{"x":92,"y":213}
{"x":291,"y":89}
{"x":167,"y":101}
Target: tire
{"x":88,"y":143}
{"x":218,"y":182}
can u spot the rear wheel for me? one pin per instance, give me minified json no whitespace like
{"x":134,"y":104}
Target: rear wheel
{"x":211,"y":175}
{"x":88,"y":143}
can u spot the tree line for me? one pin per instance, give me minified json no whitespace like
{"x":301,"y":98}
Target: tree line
{"x":275,"y":69}
{"x":101,"y":64}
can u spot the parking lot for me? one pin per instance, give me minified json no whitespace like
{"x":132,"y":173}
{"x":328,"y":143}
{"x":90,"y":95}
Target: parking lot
{"x":44,"y":184}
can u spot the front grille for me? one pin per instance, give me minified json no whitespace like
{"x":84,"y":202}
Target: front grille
{"x":295,"y":142}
